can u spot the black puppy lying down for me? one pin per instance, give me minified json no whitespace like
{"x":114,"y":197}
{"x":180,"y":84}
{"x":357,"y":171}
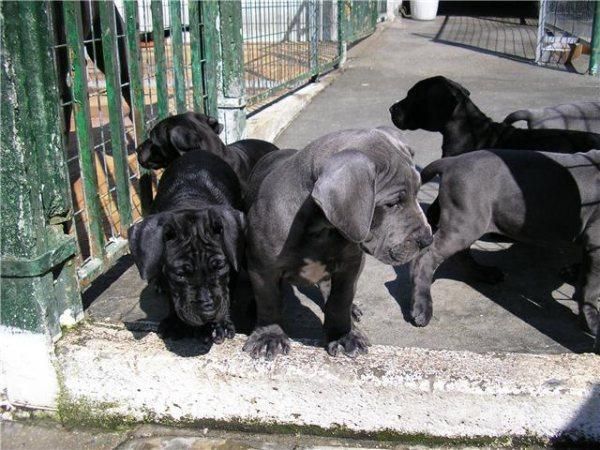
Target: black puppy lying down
{"x":179,"y":134}
{"x":440,"y":104}
{"x":311,"y":216}
{"x":532,"y":197}
{"x":192,"y":243}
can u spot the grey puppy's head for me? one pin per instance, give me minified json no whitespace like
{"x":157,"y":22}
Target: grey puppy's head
{"x":194,"y":253}
{"x":429,"y":104}
{"x":371,"y":198}
{"x":176,"y":135}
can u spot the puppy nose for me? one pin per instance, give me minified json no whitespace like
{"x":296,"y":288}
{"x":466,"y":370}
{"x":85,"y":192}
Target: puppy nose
{"x":392,"y":108}
{"x":425,"y":240}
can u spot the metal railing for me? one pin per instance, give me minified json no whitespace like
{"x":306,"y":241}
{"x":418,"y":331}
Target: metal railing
{"x":287,"y":43}
{"x":124,"y":78}
{"x":564,"y":26}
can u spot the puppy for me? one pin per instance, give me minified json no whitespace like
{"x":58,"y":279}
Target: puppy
{"x":583,"y":116}
{"x":192,"y":244}
{"x":179,"y":134}
{"x":440,"y":104}
{"x":535,"y":197}
{"x":312,"y":214}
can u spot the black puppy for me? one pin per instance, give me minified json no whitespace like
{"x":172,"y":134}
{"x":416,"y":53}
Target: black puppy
{"x":535,"y":197}
{"x":192,"y":243}
{"x":176,"y":135}
{"x":311,"y":216}
{"x":440,"y":104}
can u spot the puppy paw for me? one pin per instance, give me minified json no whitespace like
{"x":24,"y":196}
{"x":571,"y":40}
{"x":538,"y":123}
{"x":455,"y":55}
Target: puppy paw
{"x":221,"y":331}
{"x":352,"y":344}
{"x":267,"y":342}
{"x":356,"y":313}
{"x":421,"y":313}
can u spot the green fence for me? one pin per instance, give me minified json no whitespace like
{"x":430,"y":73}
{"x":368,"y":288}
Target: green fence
{"x":83,"y":82}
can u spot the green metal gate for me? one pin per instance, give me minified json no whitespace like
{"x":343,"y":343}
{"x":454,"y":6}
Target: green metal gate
{"x":82,"y":84}
{"x":164,"y":73}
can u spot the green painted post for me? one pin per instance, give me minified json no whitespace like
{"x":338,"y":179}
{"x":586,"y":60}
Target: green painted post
{"x":209,"y":12}
{"x":177,"y":41}
{"x":115,"y":111}
{"x":137,"y":97}
{"x":342,"y":17}
{"x":595,"y":44}
{"x":158,"y":34}
{"x":38,"y":280}
{"x":81,"y":112}
{"x":232,"y":102}
{"x":196,"y":55}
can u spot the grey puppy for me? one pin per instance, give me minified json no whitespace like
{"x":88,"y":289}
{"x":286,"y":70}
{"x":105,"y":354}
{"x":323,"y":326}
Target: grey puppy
{"x":582,"y":116}
{"x":535,"y":197}
{"x":192,"y":244}
{"x":313,"y":213}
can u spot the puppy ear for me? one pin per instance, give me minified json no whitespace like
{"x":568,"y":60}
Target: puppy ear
{"x":146,"y":244}
{"x":233,"y":229}
{"x":215,"y":125}
{"x":345,"y":191}
{"x":184,"y":138}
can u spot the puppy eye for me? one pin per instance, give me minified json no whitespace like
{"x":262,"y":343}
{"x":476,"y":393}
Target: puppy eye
{"x":217,"y":263}
{"x":183,"y":270}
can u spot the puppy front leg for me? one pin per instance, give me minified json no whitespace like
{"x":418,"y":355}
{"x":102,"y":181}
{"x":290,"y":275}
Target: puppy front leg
{"x":268,"y":338}
{"x":339,"y":330}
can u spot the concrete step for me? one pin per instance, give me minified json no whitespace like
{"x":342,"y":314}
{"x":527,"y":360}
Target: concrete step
{"x":113,"y":375}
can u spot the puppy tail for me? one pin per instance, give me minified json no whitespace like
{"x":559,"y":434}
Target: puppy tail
{"x":433,"y":169}
{"x":522,"y":114}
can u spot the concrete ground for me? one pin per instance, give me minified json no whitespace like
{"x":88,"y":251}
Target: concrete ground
{"x":532,"y":311}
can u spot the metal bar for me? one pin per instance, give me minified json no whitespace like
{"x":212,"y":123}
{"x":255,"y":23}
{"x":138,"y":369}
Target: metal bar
{"x":196,"y":54}
{"x":81,"y":112}
{"x":595,"y":44}
{"x":177,"y":40}
{"x":232,"y":59}
{"x":94,"y":268}
{"x":210,"y":37}
{"x":290,"y":84}
{"x":115,"y":112}
{"x":313,"y":37}
{"x":137,"y":97}
{"x":158,"y":33}
{"x":541,"y":32}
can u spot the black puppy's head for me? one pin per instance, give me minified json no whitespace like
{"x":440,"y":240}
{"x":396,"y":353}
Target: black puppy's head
{"x":371,"y":198}
{"x":175,"y":135}
{"x":195,"y":252}
{"x":429,"y":104}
